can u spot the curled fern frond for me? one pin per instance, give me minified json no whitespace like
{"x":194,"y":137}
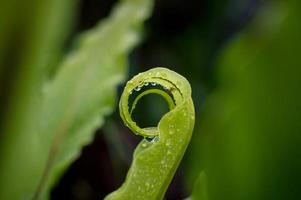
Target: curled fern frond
{"x":158,"y":155}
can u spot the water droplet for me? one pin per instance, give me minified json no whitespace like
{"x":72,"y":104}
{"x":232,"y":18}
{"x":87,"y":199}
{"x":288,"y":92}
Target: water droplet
{"x":144,"y":145}
{"x":178,"y":130}
{"x":137,"y":89}
{"x":184,"y":114}
{"x":162,"y":162}
{"x":163,"y":75}
{"x":168,"y":152}
{"x":153,"y":83}
{"x":158,"y":74}
{"x":152,"y":139}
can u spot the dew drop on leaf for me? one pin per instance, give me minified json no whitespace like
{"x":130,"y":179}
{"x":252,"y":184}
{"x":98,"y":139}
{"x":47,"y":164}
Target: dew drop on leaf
{"x":137,"y":89}
{"x":152,"y":139}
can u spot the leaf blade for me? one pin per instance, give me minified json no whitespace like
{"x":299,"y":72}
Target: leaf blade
{"x":83,"y":91}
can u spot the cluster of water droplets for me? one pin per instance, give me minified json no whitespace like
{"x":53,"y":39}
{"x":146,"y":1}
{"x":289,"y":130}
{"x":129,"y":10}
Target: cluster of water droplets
{"x":138,"y":88}
{"x":150,"y":74}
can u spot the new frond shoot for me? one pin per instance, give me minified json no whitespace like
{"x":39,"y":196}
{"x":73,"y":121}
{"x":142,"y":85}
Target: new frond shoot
{"x":158,"y":155}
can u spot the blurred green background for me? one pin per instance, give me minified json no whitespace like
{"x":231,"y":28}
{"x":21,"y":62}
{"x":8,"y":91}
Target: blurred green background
{"x":241,"y":58}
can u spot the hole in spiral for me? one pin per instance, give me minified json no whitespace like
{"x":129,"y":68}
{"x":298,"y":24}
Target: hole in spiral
{"x":149,"y":110}
{"x":147,"y":86}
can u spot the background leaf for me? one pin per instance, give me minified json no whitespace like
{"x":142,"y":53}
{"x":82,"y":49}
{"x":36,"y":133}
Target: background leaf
{"x":73,"y":103}
{"x":200,"y":191}
{"x":84,"y":90}
{"x":31,"y":38}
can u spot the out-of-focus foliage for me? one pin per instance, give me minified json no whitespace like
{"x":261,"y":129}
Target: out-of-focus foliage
{"x":247,"y":137}
{"x":251,"y":126}
{"x":86,"y":75}
{"x":46,"y":134}
{"x":30,"y":40}
{"x":200,"y":191}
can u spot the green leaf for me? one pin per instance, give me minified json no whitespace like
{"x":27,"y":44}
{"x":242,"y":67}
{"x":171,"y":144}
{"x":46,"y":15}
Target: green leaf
{"x":200,"y":188}
{"x":32,"y":32}
{"x":157,"y":156}
{"x":84,"y":90}
{"x":45,"y":131}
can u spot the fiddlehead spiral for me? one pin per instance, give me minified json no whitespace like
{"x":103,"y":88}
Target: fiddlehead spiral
{"x":155,"y":161}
